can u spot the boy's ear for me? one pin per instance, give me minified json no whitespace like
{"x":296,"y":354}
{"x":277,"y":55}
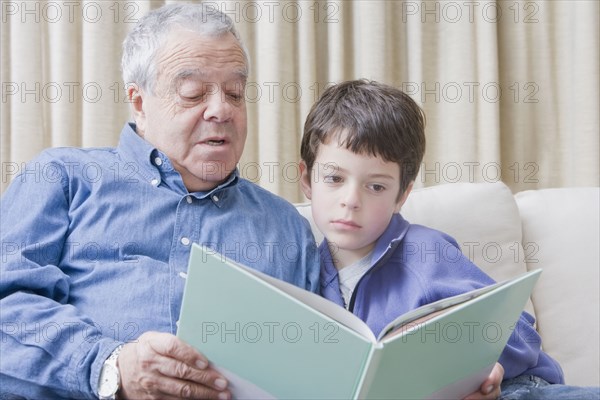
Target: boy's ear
{"x":135,"y":97}
{"x":404,"y":196}
{"x":305,"y":180}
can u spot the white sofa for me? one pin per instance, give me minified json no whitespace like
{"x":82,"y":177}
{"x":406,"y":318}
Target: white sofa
{"x":557,"y":230}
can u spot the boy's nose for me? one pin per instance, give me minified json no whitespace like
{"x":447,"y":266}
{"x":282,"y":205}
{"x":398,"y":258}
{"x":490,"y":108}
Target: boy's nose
{"x":351,"y":199}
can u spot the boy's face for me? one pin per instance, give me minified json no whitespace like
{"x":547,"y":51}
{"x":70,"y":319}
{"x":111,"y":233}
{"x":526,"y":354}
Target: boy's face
{"x":353,"y":199}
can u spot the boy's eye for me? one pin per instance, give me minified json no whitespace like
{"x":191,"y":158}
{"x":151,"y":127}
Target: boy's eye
{"x":377,"y":187}
{"x":332,"y":179}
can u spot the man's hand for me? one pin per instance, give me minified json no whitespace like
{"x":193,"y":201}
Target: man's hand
{"x":490,"y":389}
{"x":159,"y":365}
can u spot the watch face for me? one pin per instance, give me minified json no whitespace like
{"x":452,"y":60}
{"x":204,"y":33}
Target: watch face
{"x":109,"y":381}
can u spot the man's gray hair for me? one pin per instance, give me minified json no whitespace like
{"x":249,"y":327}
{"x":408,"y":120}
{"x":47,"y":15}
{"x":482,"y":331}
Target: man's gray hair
{"x":145,"y":40}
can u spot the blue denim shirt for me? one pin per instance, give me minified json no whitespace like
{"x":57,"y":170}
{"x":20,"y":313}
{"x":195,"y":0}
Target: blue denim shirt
{"x":95,"y":246}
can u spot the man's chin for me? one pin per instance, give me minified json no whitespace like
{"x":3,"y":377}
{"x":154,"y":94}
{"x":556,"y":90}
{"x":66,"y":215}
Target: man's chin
{"x":214,"y":171}
{"x":208,"y":176}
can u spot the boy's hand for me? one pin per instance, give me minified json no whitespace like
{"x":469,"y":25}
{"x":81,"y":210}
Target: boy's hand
{"x":490,"y":388}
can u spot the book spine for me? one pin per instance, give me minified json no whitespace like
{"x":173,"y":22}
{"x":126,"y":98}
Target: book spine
{"x":369,"y":370}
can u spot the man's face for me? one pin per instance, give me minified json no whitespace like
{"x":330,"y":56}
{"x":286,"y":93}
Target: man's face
{"x":197,"y":113}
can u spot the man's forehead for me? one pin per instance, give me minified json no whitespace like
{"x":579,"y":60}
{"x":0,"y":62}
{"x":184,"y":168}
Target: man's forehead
{"x":191,"y":55}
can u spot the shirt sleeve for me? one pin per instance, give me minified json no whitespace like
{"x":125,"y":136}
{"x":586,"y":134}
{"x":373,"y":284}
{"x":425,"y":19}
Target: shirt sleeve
{"x":523,"y":354}
{"x":456,"y":274}
{"x":63,"y":349}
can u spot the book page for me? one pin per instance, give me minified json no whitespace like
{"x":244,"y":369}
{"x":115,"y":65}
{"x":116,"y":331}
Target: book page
{"x":431,"y":310}
{"x":242,"y":389}
{"x":450,"y":354}
{"x":321,"y":304}
{"x":268,"y":341}
{"x":463,"y":387}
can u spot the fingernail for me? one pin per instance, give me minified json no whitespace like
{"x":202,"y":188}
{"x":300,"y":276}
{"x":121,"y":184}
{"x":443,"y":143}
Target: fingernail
{"x":224,"y":396}
{"x":201,"y":364}
{"x":489,"y":389}
{"x":220,"y":383}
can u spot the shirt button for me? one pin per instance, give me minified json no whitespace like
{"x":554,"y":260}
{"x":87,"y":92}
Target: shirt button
{"x":215,"y":198}
{"x":185,"y":241}
{"x":158,"y":161}
{"x":154,"y":182}
{"x":188,"y":199}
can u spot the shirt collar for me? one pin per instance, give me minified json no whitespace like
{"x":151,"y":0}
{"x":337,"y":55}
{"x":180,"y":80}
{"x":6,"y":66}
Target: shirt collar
{"x":137,"y":152}
{"x":220,"y":195}
{"x":155,"y":167}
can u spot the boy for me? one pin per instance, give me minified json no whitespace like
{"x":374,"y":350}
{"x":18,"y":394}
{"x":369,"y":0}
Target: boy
{"x":361,"y":150}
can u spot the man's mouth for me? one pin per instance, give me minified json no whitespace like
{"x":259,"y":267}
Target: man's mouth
{"x":215,"y":142}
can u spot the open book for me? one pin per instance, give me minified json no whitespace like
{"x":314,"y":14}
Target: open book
{"x":275,"y":340}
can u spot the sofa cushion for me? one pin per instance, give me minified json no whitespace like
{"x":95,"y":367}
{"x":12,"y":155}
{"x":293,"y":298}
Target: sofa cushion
{"x":561,"y":228}
{"x":482,"y":217}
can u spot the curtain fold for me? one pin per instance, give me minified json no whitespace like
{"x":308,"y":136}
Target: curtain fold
{"x":510,"y":88}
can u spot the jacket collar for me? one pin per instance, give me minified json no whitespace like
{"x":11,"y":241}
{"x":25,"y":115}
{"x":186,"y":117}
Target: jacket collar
{"x":387,"y":242}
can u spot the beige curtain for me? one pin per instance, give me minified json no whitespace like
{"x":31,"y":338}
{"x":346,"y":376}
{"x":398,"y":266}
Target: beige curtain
{"x":510,"y":88}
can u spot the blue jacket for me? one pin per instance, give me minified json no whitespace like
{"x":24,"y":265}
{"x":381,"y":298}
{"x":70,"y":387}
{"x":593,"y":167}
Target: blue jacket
{"x":413,"y":265}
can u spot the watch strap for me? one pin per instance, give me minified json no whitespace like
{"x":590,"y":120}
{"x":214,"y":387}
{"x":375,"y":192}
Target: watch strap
{"x":111,"y":362}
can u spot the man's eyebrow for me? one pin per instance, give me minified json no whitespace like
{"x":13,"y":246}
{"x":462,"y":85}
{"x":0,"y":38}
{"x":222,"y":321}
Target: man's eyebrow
{"x":241,"y":74}
{"x":188,"y":73}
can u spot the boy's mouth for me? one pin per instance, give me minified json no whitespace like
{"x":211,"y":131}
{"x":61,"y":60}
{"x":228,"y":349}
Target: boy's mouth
{"x":345,"y":223}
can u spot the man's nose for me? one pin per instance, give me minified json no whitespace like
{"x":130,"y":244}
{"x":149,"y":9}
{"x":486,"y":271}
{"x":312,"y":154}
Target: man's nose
{"x":218,"y":108}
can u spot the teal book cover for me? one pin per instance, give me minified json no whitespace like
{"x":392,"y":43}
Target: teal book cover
{"x":273,"y":340}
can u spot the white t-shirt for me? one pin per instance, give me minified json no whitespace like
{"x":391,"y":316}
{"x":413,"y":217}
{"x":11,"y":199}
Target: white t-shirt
{"x":350,"y":275}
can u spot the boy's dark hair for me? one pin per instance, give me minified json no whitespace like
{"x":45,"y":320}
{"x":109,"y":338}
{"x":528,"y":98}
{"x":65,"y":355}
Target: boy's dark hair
{"x":368,"y":117}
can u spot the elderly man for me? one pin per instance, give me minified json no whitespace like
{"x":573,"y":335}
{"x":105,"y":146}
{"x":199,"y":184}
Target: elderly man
{"x":91,"y":263}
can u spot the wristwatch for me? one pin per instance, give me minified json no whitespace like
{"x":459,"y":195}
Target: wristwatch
{"x":109,"y":381}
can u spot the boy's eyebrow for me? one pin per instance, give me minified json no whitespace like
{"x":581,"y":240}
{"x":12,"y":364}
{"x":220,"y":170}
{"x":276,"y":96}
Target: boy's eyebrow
{"x":328,"y":168}
{"x":381,"y":176}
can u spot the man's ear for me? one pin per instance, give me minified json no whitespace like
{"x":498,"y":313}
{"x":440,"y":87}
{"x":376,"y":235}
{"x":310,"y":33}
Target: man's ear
{"x":404,"y":196}
{"x":305,"y":179}
{"x":135,"y":97}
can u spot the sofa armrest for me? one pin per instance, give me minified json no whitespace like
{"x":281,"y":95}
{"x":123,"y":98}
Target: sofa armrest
{"x":561,"y":232}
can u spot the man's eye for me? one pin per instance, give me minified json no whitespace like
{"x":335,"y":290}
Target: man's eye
{"x":192,"y":96}
{"x":236,"y":97}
